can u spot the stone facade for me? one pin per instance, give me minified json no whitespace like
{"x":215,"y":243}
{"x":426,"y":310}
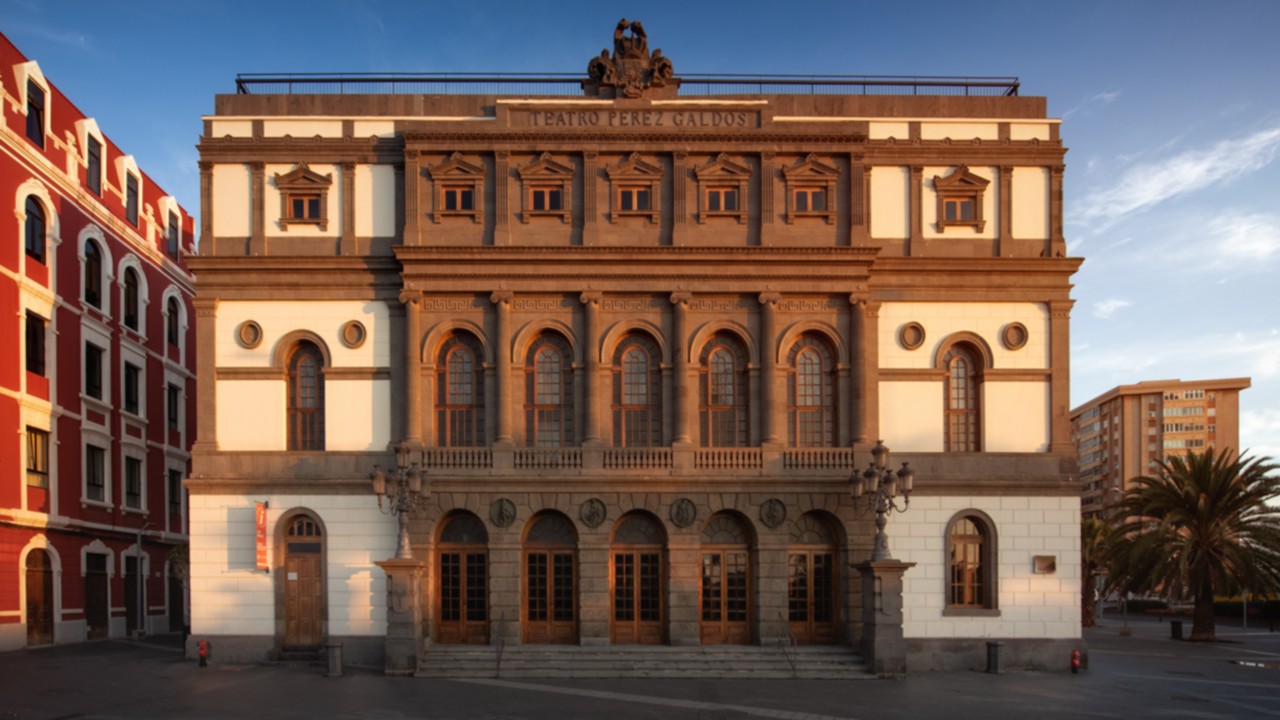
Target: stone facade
{"x":637,"y":343}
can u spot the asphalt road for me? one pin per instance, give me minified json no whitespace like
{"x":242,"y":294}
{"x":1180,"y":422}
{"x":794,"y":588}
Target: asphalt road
{"x":1144,"y":675}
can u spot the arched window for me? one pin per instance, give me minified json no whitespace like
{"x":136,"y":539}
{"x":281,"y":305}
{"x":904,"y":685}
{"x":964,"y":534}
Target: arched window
{"x":722,"y":396}
{"x":172,"y":325}
{"x":306,"y":398}
{"x":92,"y":274}
{"x":963,"y":390}
{"x":811,"y":416}
{"x":637,"y":392}
{"x":971,"y":566}
{"x":131,"y":299}
{"x":34,"y":229}
{"x":460,"y":393}
{"x":549,"y":393}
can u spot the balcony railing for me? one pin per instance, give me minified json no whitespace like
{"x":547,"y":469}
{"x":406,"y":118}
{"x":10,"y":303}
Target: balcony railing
{"x":800,"y":462}
{"x":458,"y":458}
{"x":727,"y":459}
{"x":637,"y":459}
{"x":547,"y":458}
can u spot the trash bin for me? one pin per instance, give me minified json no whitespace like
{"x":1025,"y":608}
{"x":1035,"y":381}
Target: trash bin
{"x":334,"y":652}
{"x":993,"y":656}
{"x":1175,"y":629}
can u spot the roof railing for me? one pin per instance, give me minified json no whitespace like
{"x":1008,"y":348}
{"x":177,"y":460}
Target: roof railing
{"x":570,"y":84}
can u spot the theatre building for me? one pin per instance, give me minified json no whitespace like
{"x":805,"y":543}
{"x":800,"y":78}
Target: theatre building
{"x":612,"y":354}
{"x":96,"y":377}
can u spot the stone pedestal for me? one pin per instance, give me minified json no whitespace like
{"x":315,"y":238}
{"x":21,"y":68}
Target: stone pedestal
{"x":882,"y":643}
{"x":404,"y":616}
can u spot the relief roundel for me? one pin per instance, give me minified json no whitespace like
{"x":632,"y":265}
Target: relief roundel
{"x":353,"y":334}
{"x":249,"y":334}
{"x":502,"y":512}
{"x":1014,"y":336}
{"x":592,"y":513}
{"x":773,"y":512}
{"x":683,"y":513}
{"x":911,"y":335}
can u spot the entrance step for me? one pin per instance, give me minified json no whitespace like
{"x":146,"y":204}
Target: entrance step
{"x":635,"y":661}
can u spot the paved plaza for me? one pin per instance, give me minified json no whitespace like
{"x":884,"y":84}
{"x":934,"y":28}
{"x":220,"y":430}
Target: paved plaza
{"x":1144,"y":675}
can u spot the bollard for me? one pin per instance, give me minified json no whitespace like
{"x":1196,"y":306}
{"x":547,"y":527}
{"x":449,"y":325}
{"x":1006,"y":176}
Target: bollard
{"x":993,"y":656}
{"x":1175,"y":629}
{"x":334,"y":651}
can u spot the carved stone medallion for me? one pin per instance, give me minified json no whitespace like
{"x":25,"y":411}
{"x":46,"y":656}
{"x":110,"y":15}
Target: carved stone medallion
{"x":683,"y":512}
{"x":773,"y":512}
{"x":502,"y":512}
{"x":592,"y":513}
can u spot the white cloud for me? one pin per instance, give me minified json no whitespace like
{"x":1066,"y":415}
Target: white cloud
{"x":1148,"y":184}
{"x":1264,"y":424}
{"x":1103,"y":98}
{"x":1106,"y":308}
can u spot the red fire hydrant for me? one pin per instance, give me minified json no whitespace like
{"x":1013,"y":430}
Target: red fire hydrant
{"x":1075,"y":661}
{"x":202,"y":648}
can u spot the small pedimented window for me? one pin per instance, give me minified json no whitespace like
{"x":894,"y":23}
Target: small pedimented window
{"x":960,"y":197}
{"x":304,"y":197}
{"x":459,"y":188}
{"x":547,"y":187}
{"x":634,"y":189}
{"x":722,"y":189}
{"x":811,"y":190}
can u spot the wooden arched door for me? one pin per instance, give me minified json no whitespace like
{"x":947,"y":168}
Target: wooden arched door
{"x":726,"y":581}
{"x":550,"y":608}
{"x":39,"y":598}
{"x":637,"y":578}
{"x":462,"y":592}
{"x":303,"y":584}
{"x":813,"y":582}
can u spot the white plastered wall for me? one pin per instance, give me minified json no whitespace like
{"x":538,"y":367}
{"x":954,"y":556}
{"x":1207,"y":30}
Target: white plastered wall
{"x":1015,"y":416}
{"x":302,"y":128}
{"x":911,"y":413}
{"x":251,"y":412}
{"x":959,"y":130}
{"x":985,"y":319}
{"x":1030,"y":203}
{"x":271,"y":203}
{"x":990,"y":204}
{"x":1030,"y":605}
{"x":375,"y":200}
{"x":890,"y":197}
{"x":232,"y":201}
{"x":229,"y":596}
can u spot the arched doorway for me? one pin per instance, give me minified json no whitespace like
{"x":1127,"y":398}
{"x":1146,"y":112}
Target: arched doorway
{"x":39,"y":598}
{"x":550,"y":581}
{"x":726,"y":581}
{"x":303,"y":584}
{"x":637,"y":579}
{"x":813,"y":583}
{"x":463,"y":591}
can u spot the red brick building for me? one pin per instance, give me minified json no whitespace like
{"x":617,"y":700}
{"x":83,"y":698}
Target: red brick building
{"x":96,"y":377}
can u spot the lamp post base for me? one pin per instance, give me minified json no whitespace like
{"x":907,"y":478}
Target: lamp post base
{"x":883,"y":645}
{"x":404,"y":615}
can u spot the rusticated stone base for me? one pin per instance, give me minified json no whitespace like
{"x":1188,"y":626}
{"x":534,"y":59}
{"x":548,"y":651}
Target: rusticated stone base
{"x":1016,"y":654}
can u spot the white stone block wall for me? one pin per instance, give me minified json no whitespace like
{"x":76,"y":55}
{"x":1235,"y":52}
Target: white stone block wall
{"x":229,"y":596}
{"x":1031,"y":605}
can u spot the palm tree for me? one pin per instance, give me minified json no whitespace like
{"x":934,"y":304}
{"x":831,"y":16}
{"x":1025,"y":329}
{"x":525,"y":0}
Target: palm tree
{"x":1202,"y":524}
{"x":1094,"y":536}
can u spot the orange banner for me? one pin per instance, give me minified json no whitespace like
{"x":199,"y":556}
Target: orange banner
{"x":260,"y":521}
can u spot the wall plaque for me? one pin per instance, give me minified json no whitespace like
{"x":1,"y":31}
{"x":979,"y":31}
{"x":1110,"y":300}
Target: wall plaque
{"x":592,"y":513}
{"x":502,"y":512}
{"x":683,"y":512}
{"x":773,"y":512}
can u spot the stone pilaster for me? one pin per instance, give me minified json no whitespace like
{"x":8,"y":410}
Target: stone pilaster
{"x":206,"y":311}
{"x":502,"y":356}
{"x":413,"y":366}
{"x":770,"y":408}
{"x":767,"y":211}
{"x":591,"y":351}
{"x":258,"y":227}
{"x":679,"y":197}
{"x":1059,"y":390}
{"x":501,"y":192}
{"x":859,"y":392}
{"x":684,"y":395}
{"x":206,"y":208}
{"x":1058,"y":242}
{"x":590,"y":210}
{"x":347,"y":243}
{"x":1004,"y":240}
{"x":412,"y":214}
{"x":859,"y":201}
{"x":916,"y":211}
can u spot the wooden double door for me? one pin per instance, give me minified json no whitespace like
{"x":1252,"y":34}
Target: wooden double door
{"x":39,"y":598}
{"x":550,"y":611}
{"x":463,"y":594}
{"x":96,"y":605}
{"x":812,"y":596}
{"x":638,"y":596}
{"x":726,"y":596}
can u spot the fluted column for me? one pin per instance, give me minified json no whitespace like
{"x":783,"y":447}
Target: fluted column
{"x":412,"y":365}
{"x":684,"y":396}
{"x":502,"y":355}
{"x":591,"y":351}
{"x":768,"y":367}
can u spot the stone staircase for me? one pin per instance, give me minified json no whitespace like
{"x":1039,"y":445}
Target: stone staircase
{"x":811,"y":662}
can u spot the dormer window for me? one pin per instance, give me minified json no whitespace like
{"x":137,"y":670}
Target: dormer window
{"x":174,"y":235}
{"x":131,"y":199}
{"x":35,"y":113}
{"x":960,"y":197}
{"x":93,"y":157}
{"x":304,"y":198}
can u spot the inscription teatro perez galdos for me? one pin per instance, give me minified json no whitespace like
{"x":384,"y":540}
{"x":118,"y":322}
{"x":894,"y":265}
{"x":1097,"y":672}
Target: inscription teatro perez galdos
{"x":639,"y":118}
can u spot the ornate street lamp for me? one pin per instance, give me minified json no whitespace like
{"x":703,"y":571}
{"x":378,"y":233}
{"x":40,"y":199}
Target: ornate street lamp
{"x":880,"y":487}
{"x":405,"y":494}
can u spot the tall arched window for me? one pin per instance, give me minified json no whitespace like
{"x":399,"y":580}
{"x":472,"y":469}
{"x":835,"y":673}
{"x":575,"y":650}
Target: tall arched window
{"x":34,"y":228}
{"x":964,"y":420}
{"x":811,"y":416}
{"x":971,"y":564}
{"x":722,"y":396}
{"x":637,"y":392}
{"x":92,"y":274}
{"x":172,"y":326}
{"x":306,"y":398}
{"x":548,"y":399}
{"x":460,"y":393}
{"x":131,"y":308}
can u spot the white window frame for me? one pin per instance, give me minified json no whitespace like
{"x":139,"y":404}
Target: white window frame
{"x":30,"y":70}
{"x":100,"y":439}
{"x":144,"y":297}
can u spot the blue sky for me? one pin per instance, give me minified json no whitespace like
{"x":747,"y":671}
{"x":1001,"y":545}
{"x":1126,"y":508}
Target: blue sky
{"x":1171,"y":113}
